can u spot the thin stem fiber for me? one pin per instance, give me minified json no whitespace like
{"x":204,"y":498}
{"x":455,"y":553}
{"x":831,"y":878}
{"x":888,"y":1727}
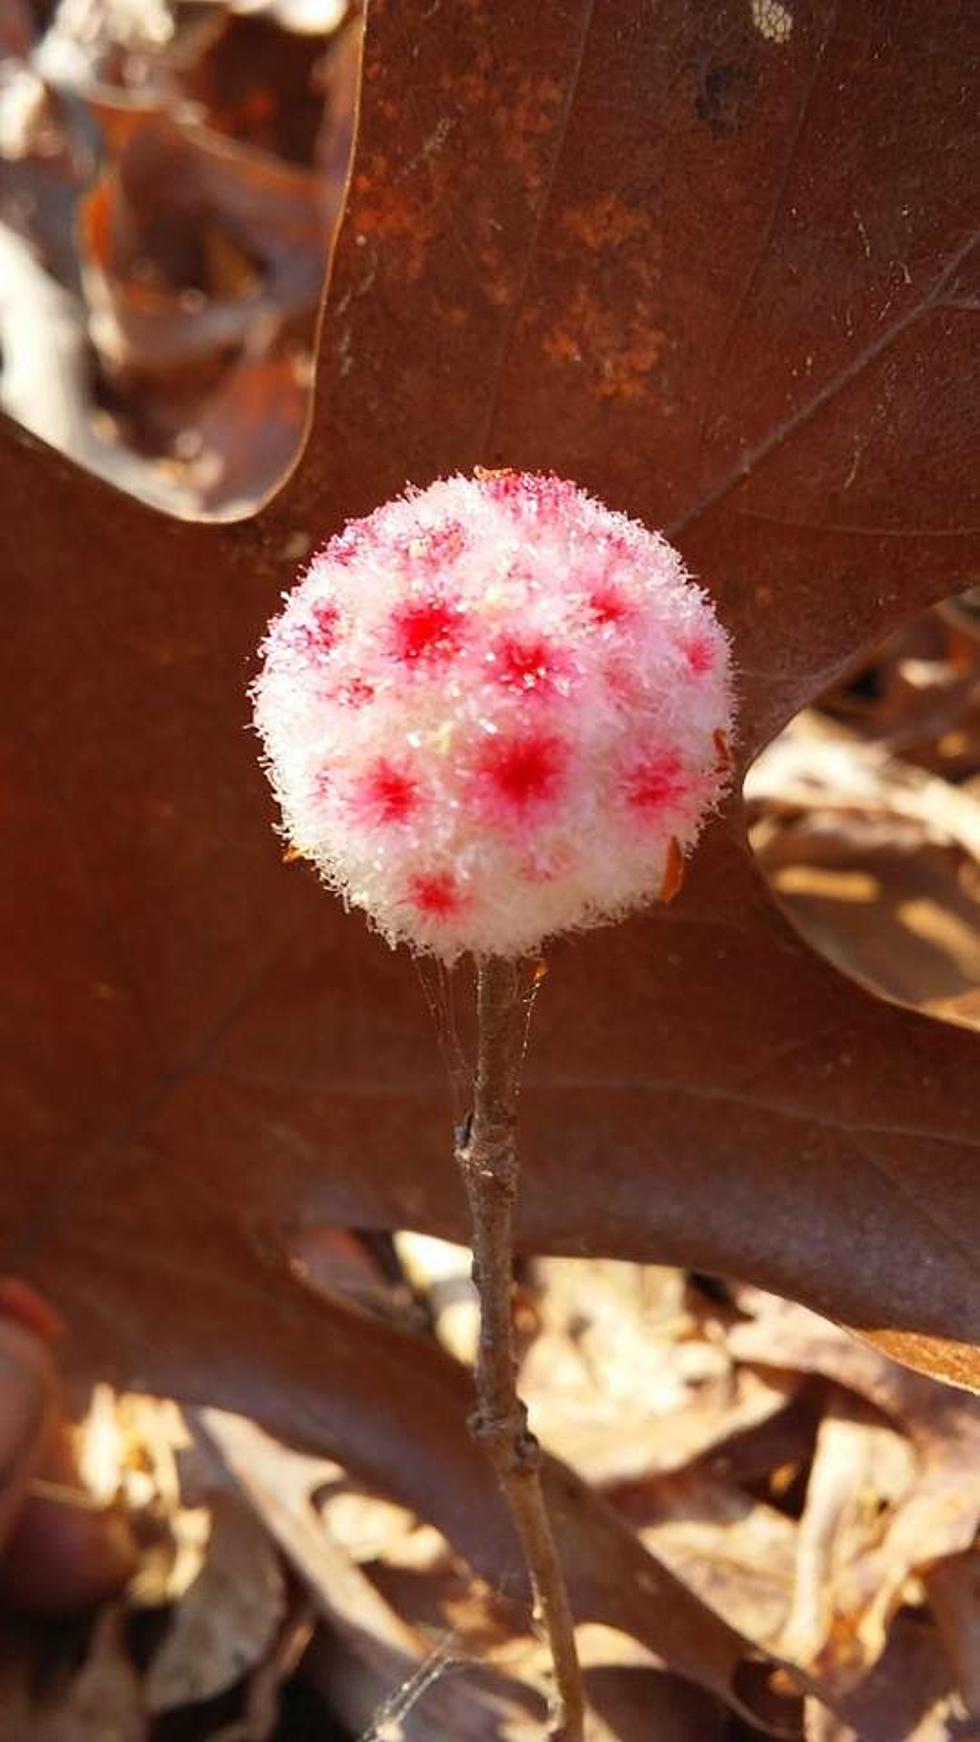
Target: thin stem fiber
{"x":487,"y":1155}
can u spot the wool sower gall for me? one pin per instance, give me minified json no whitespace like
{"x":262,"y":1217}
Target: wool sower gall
{"x":494,"y":711}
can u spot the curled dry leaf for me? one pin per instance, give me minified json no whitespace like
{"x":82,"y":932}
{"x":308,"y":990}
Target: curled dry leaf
{"x":852,"y":1574}
{"x":265,"y":1681}
{"x":952,"y":1587}
{"x":385,"y":1666}
{"x":202,"y":268}
{"x":192,"y":197}
{"x":264,"y":84}
{"x":441,"y":1271}
{"x":839,"y":1619}
{"x":47,"y":1698}
{"x":64,"y":1550}
{"x":206,"y":1565}
{"x":735,"y":1551}
{"x":811,"y":767}
{"x":612,"y":1578}
{"x":876,"y":860}
{"x":635,"y":1704}
{"x":227,"y":1618}
{"x":43,"y":339}
{"x":622,"y":1380}
{"x":919,"y":694}
{"x":407,"y":1642}
{"x":191,"y":243}
{"x":831,"y":1592}
{"x":907,"y":1695}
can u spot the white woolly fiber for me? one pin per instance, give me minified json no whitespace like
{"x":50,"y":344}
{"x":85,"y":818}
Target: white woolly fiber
{"x":493,"y":711}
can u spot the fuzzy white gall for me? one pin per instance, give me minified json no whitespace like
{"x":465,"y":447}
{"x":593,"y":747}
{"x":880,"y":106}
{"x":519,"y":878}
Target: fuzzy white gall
{"x":495,"y":710}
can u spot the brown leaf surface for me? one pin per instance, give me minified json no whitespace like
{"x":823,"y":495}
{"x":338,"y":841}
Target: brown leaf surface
{"x":907,"y":1696}
{"x":875,"y":860}
{"x":201,"y":1052}
{"x":621,"y":1380}
{"x":378,"y":1661}
{"x":835,"y":1545}
{"x":229,"y":1616}
{"x":443,"y":1478}
{"x":612,"y":1578}
{"x":953,"y":1586}
{"x":837,"y":1621}
{"x":169,"y":184}
{"x":853,"y":1571}
{"x":72,"y":1702}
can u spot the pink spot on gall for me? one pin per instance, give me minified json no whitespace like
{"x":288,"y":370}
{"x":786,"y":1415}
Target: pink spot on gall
{"x":313,"y":638}
{"x":700,"y":655}
{"x":526,"y":663}
{"x":432,"y":548}
{"x":608,"y":605}
{"x":345,"y":545}
{"x":538,"y":493}
{"x":657,"y":782}
{"x":426,"y":629}
{"x":435,"y":893}
{"x":389,"y":794}
{"x":525,"y":773}
{"x":355,"y":693}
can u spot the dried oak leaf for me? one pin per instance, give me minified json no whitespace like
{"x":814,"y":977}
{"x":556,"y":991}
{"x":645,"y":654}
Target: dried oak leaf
{"x":908,"y":1695}
{"x":201,"y":264}
{"x":853,"y":1572}
{"x":876,"y":861}
{"x":724,"y":280}
{"x":612,"y":1578}
{"x":49,"y":1695}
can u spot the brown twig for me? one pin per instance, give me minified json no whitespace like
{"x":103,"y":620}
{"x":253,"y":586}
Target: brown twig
{"x":487,"y":1155}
